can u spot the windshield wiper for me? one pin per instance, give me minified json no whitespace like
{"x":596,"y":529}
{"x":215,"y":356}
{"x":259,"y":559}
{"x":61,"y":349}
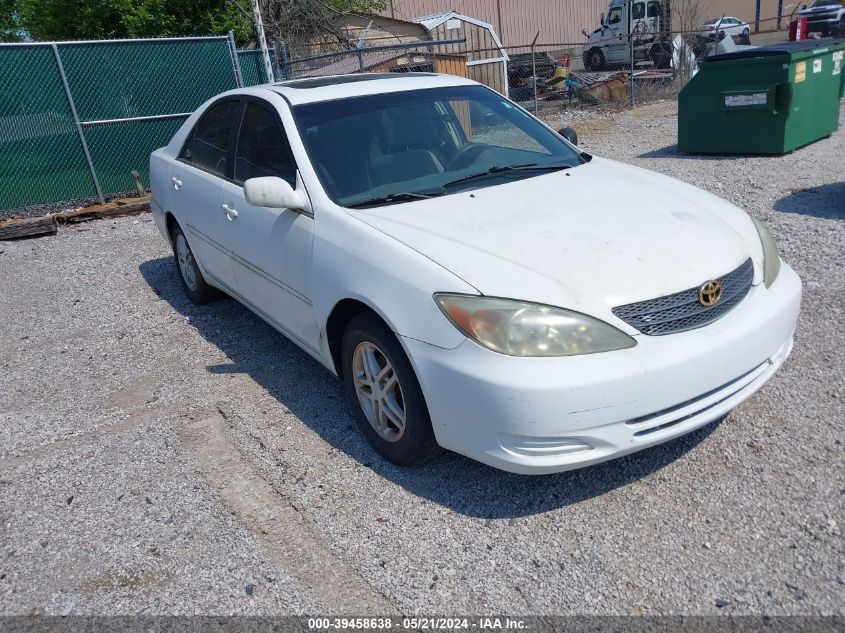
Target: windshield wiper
{"x":507,"y":168}
{"x":394,"y":197}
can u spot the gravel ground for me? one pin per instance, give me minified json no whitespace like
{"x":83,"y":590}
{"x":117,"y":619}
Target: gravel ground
{"x":164,"y":457}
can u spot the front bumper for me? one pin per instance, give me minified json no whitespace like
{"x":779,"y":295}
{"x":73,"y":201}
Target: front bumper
{"x":544,"y":415}
{"x":823,"y":24}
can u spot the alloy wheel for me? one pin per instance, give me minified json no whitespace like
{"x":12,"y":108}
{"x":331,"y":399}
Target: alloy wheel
{"x":186,"y":262}
{"x":379,"y":392}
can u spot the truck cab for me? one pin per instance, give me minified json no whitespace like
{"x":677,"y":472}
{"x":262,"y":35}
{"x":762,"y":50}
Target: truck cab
{"x":646,"y":20}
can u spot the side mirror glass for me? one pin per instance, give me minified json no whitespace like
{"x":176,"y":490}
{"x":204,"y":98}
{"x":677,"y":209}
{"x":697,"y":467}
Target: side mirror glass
{"x":569,"y":134}
{"x":273,"y":193}
{"x":492,"y":119}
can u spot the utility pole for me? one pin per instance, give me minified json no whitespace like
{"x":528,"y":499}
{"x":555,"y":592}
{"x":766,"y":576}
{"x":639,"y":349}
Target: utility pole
{"x":262,"y":40}
{"x":534,"y":74}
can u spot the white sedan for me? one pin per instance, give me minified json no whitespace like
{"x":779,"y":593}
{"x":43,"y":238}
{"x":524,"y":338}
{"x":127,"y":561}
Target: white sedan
{"x":477,"y":282}
{"x":731,"y":26}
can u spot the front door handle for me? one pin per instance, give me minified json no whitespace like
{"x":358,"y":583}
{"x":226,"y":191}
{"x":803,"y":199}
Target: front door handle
{"x":177,"y":184}
{"x":231,"y":212}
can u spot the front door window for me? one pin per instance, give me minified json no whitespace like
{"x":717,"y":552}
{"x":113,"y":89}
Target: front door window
{"x":262,"y":149}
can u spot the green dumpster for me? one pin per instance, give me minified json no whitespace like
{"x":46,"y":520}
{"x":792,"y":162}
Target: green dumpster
{"x":766,"y":100}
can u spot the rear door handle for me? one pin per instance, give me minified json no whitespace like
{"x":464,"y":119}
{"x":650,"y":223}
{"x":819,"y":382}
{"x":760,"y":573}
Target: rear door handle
{"x":231,"y":212}
{"x":177,"y":184}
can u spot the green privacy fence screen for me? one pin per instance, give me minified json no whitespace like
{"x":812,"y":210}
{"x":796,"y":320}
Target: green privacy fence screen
{"x":41,"y":159}
{"x":77,"y":117}
{"x":252,"y":67}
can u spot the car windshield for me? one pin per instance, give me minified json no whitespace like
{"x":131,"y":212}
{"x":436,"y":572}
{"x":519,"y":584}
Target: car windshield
{"x":402,"y":146}
{"x":825,"y":3}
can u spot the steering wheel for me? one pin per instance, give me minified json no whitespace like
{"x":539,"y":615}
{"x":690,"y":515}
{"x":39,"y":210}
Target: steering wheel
{"x":466,"y":156}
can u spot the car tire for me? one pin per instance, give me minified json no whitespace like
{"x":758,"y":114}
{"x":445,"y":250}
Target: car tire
{"x":389,"y":405}
{"x":746,"y":37}
{"x":189,"y":273}
{"x":569,"y":134}
{"x":595,"y":60}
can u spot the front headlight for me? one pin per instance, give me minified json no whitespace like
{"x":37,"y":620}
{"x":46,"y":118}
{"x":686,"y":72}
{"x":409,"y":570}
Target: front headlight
{"x":517,"y":328}
{"x":771,"y":256}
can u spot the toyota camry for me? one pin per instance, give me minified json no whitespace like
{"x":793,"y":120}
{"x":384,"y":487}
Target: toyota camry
{"x":477,"y":281}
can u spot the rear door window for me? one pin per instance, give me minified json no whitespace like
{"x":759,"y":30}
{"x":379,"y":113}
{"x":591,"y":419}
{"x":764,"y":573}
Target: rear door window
{"x":207,"y":146}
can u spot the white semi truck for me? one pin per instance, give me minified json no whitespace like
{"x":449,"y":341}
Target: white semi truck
{"x":649,"y":22}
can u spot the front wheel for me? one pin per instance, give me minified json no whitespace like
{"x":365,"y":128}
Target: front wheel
{"x":595,"y":60}
{"x":389,"y":405}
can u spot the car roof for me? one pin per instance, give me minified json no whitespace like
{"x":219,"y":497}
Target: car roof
{"x":314,"y":89}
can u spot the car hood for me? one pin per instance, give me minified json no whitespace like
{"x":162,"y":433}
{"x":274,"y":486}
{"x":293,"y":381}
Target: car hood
{"x":590,"y":238}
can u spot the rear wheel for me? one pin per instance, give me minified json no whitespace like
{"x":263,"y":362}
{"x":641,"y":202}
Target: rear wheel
{"x":190,"y":275}
{"x":389,"y":405}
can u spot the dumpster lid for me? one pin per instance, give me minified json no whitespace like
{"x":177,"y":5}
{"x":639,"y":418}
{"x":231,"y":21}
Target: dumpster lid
{"x":786,"y":48}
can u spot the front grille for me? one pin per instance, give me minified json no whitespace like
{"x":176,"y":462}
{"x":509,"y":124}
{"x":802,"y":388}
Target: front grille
{"x":682,"y":311}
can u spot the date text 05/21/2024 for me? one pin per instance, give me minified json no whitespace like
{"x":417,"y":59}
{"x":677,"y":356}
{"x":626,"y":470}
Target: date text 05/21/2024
{"x":417,"y":623}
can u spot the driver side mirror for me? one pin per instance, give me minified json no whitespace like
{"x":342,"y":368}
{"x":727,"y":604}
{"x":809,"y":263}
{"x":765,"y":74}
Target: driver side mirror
{"x":603,"y":20}
{"x":569,"y":134}
{"x":272,"y":192}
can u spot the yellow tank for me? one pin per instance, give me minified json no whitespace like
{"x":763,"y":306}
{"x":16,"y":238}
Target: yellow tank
{"x":561,"y":73}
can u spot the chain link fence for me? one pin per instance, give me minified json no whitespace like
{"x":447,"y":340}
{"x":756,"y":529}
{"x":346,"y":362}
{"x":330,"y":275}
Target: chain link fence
{"x":41,"y":158}
{"x":535,"y":75}
{"x":77,"y":117}
{"x":397,"y":57}
{"x":253,"y":71}
{"x":656,"y":64}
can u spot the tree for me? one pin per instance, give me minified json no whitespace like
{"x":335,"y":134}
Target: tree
{"x":299,"y":21}
{"x":101,"y":19}
{"x":9,"y":27}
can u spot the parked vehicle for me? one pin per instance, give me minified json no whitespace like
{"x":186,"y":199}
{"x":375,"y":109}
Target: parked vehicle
{"x":476,"y":281}
{"x":734,"y":27}
{"x":824,"y":16}
{"x":650,"y":23}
